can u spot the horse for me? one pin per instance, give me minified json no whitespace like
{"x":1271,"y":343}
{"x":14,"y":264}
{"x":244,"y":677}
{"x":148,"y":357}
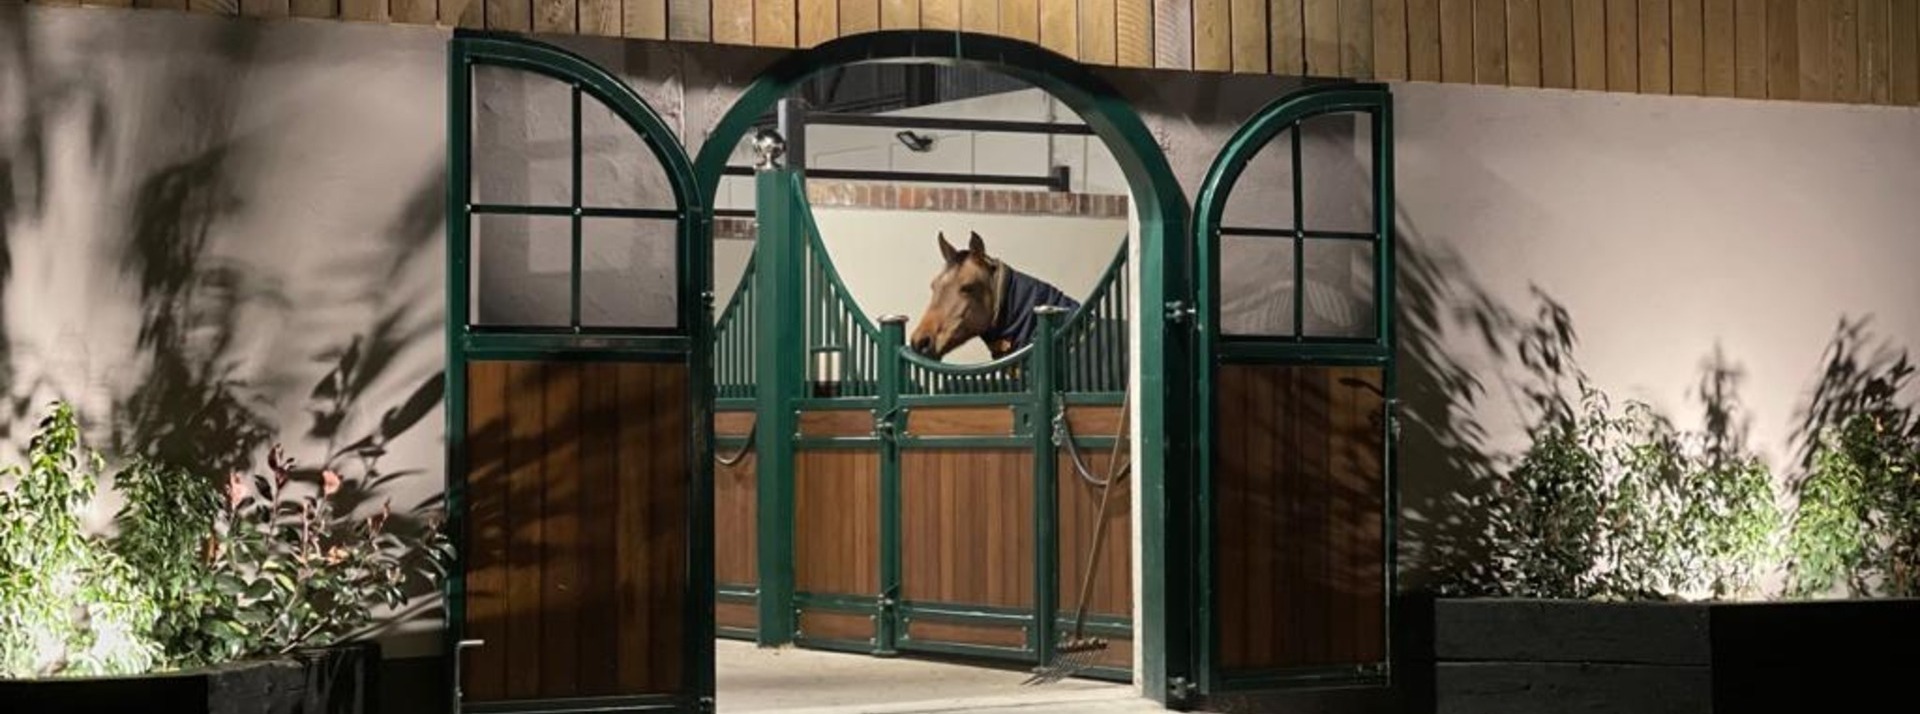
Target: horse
{"x":976,"y":295}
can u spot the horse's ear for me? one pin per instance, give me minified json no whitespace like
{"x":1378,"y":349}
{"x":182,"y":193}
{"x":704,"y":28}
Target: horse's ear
{"x":946,"y":249}
{"x":979,"y":247}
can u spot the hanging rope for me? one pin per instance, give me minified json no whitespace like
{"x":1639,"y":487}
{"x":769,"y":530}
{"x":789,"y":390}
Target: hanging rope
{"x":744,"y":447}
{"x":1063,"y":436}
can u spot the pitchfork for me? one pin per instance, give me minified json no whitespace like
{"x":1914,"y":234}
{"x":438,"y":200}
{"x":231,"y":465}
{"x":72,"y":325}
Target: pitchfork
{"x":1078,"y":652}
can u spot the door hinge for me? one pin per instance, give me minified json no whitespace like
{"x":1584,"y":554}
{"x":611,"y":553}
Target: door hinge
{"x":705,"y":704}
{"x":1180,"y":689}
{"x":1179,"y":311}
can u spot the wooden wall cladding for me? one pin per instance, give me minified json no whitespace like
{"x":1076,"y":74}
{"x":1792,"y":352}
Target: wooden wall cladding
{"x":577,"y":483}
{"x":836,"y":521}
{"x":1298,"y":524}
{"x":1862,"y":51}
{"x":1079,"y":506}
{"x":967,"y":526}
{"x":736,"y":551}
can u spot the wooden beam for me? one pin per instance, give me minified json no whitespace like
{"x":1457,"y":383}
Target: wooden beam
{"x":940,"y":14}
{"x":1248,"y":35}
{"x":1356,"y":38}
{"x":284,"y":8}
{"x":1875,"y":54}
{"x":899,"y":14}
{"x":1556,"y":44}
{"x":861,"y":16}
{"x":1783,"y":49}
{"x":1719,"y":33}
{"x":1750,"y":48}
{"x":414,"y":12}
{"x":1904,"y":75}
{"x":981,"y":16}
{"x":1213,"y":35}
{"x":1390,"y":39}
{"x":1060,"y":28}
{"x":1489,"y":42}
{"x":1456,"y":41}
{"x":556,"y":16}
{"x":1287,"y":28}
{"x":1323,"y":38}
{"x":1133,"y":27}
{"x":1688,"y":28}
{"x":1173,"y":34}
{"x":690,"y":20}
{"x":1623,"y":46}
{"x":733,"y":22}
{"x":1097,"y":32}
{"x":1423,"y":40}
{"x":1590,"y":65}
{"x":820,"y":21}
{"x":1524,"y":56}
{"x":606,"y":18}
{"x":1656,"y":47}
{"x":363,"y":10}
{"x":330,"y":8}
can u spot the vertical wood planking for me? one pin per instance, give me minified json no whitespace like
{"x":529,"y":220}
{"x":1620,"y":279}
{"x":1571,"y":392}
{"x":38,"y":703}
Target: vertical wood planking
{"x":526,"y":544}
{"x":323,"y":8}
{"x":690,"y":20}
{"x":1783,"y":49}
{"x":733,"y":22}
{"x":1656,"y":47}
{"x":489,"y":514}
{"x":633,"y":544}
{"x":980,"y":16}
{"x":1523,"y":43}
{"x":940,"y":14}
{"x":1287,"y":50}
{"x":1590,"y":65}
{"x":1719,"y":53}
{"x":1556,"y":44}
{"x":1019,"y":19}
{"x":1456,"y":41}
{"x":1060,"y":28}
{"x":508,"y":15}
{"x":899,"y":14}
{"x":1623,"y":46}
{"x":1390,"y":39}
{"x":644,"y":19}
{"x":1843,"y":42}
{"x":819,"y":21}
{"x":773,"y":23}
{"x":861,"y":16}
{"x":282,"y":8}
{"x":363,"y":10}
{"x":1490,"y":42}
{"x":1173,"y":34}
{"x":1322,"y":19}
{"x":1213,"y":35}
{"x":1750,"y":48}
{"x":1688,"y":30}
{"x":1248,"y":20}
{"x":1133,"y":31}
{"x":599,"y":646}
{"x":1356,"y":38}
{"x":1098,"y":32}
{"x":465,"y":14}
{"x":555,"y":16}
{"x":1423,"y":40}
{"x":231,"y":7}
{"x":667,"y":484}
{"x":1816,"y":47}
{"x":1904,"y":75}
{"x":412,"y":12}
{"x":560,"y":566}
{"x":1874,"y":52}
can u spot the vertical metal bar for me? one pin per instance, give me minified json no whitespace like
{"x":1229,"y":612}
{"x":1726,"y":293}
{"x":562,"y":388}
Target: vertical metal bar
{"x":791,"y":118}
{"x":574,"y":278}
{"x":893,"y":338}
{"x":780,"y":358}
{"x":459,"y":303}
{"x":1046,"y":536}
{"x":1299,"y":239}
{"x":1383,"y":295}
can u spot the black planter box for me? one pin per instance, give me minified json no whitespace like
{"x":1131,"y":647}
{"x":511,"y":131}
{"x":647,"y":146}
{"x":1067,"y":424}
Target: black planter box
{"x":333,"y":680}
{"x":1498,"y":656}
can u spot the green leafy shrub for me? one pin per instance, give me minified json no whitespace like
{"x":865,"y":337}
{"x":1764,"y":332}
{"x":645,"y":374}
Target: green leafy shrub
{"x":198,"y":573}
{"x":1857,"y":527}
{"x":67,"y":605}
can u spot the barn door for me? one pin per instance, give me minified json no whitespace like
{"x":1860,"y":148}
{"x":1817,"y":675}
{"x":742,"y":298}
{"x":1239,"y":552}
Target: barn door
{"x":578,"y":418}
{"x":1296,"y":392}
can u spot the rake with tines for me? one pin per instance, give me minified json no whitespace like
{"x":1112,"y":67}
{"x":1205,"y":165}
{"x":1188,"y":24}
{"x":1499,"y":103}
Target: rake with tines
{"x":1077,"y":652}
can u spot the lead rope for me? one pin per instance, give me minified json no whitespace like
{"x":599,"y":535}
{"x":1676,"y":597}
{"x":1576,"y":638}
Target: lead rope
{"x":744,"y":446}
{"x":1076,"y":652}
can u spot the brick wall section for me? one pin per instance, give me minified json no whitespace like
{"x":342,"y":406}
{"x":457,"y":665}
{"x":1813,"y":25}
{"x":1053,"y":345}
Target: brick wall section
{"x":897,"y":197}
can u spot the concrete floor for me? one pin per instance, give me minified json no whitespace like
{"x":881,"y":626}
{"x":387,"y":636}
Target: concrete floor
{"x":797,"y":681}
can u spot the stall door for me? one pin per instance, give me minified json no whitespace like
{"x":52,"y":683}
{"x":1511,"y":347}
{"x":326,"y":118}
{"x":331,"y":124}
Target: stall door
{"x":1295,"y":387}
{"x":579,"y":444}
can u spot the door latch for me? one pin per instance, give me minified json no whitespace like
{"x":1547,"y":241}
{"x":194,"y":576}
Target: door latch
{"x":1179,"y":311}
{"x":460,"y":655}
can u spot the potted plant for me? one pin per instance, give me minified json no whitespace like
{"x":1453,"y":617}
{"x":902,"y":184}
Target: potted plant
{"x":246,"y":594}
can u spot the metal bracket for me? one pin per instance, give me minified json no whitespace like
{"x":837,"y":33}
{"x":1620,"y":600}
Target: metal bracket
{"x":1180,"y":689}
{"x":705,"y":704}
{"x":459,"y":655}
{"x":1179,"y":311}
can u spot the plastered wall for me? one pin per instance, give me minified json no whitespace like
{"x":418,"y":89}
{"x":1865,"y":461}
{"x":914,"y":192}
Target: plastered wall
{"x":201,"y":211}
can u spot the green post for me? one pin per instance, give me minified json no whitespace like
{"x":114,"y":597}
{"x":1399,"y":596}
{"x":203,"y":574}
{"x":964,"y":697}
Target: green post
{"x":1045,"y":483}
{"x":780,"y":370}
{"x":888,"y":418}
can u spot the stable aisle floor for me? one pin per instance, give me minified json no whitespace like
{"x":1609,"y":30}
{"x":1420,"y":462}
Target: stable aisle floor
{"x":796,"y":681}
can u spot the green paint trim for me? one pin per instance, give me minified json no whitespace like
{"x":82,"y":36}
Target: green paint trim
{"x":1046,"y":489}
{"x":1373,"y":101}
{"x":688,"y":341}
{"x":893,"y":339}
{"x":778,"y":332}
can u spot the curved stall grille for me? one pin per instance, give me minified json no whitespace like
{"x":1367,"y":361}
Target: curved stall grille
{"x":733,"y":350}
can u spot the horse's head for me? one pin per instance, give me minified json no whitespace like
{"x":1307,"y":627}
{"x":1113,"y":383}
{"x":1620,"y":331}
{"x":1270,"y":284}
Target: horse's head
{"x":962,"y":306}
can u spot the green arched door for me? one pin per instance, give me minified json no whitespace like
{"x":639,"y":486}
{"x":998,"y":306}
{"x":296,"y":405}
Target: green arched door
{"x":578,"y":424}
{"x":1295,"y":385}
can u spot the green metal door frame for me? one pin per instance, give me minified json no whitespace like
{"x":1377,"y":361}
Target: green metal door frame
{"x":1375,"y":102}
{"x":1162,"y":631}
{"x":687,"y":341}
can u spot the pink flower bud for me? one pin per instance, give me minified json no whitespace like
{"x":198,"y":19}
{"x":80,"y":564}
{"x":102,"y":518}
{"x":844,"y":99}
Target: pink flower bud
{"x":329,"y":482}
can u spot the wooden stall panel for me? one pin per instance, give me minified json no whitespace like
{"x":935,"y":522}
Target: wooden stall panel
{"x":736,"y":551}
{"x":838,"y":626}
{"x":836,"y":522}
{"x":923,"y":629}
{"x":1079,"y":509}
{"x":967,"y":526}
{"x":836,"y":423}
{"x":577,"y":482}
{"x":742,"y":615}
{"x":960,"y":421}
{"x":1298,"y":572}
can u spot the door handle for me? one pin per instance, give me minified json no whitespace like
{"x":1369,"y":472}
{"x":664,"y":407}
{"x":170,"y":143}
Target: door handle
{"x":459,"y":655}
